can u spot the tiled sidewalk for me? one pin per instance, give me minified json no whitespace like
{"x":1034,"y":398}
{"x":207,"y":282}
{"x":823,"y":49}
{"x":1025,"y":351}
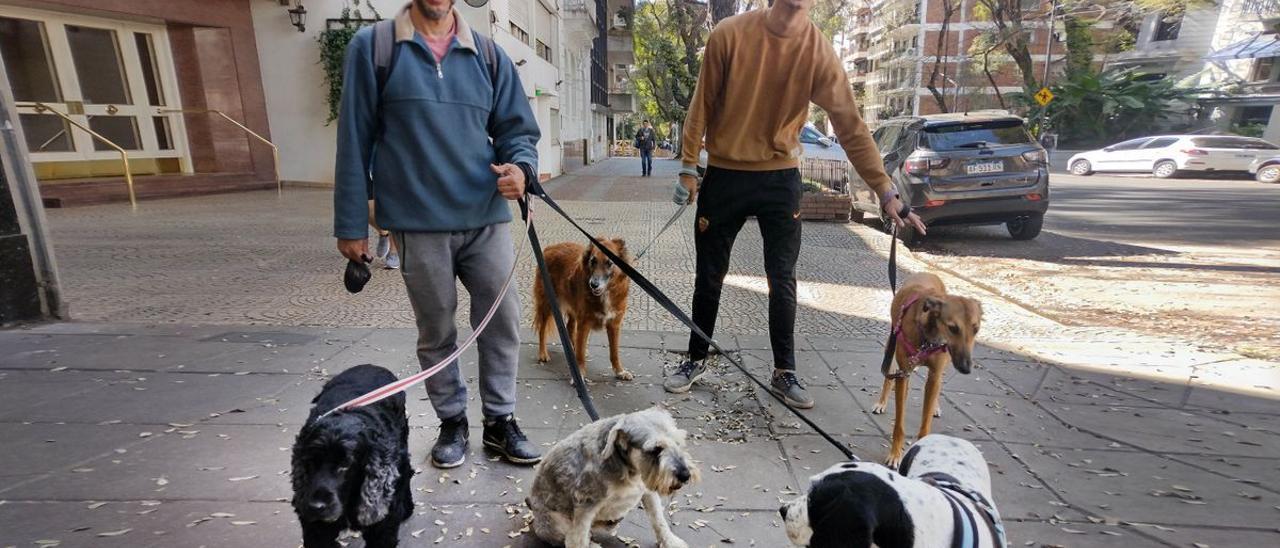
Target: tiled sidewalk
{"x":178,"y":436}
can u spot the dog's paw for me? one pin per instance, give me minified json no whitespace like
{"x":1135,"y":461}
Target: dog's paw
{"x":625,"y":375}
{"x":892,"y":461}
{"x":672,"y":542}
{"x":544,"y":357}
{"x":878,"y":408}
{"x":937,"y":412}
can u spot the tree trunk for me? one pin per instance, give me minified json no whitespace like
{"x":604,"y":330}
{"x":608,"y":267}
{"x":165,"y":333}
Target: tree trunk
{"x":948,"y":9}
{"x":721,"y":9}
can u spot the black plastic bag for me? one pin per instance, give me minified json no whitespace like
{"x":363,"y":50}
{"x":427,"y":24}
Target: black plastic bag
{"x":356,"y":276}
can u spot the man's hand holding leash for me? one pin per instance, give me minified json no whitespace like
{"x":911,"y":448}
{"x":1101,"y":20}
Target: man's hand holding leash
{"x":510,"y":180}
{"x":686,"y":187}
{"x":900,"y":213}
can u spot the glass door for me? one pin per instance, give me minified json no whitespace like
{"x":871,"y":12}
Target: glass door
{"x":113,"y":77}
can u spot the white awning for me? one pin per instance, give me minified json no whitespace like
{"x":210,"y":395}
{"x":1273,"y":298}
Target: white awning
{"x":1260,"y":45}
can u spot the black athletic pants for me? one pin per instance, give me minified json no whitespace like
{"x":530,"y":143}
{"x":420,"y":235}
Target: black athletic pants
{"x":726,"y":199}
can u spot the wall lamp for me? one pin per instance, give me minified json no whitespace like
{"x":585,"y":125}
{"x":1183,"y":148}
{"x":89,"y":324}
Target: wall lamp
{"x":298,"y":17}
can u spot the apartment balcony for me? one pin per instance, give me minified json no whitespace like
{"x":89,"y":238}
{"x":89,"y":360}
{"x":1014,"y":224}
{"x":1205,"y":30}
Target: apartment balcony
{"x":621,"y":48}
{"x":622,"y":102}
{"x":580,"y":20}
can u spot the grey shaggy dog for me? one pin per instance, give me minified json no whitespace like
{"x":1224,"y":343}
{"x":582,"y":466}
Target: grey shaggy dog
{"x":590,"y":480}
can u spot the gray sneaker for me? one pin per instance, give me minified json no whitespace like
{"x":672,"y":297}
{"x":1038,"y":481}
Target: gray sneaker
{"x":788,"y":387}
{"x":384,"y":245}
{"x":393,"y":261}
{"x":684,"y":376}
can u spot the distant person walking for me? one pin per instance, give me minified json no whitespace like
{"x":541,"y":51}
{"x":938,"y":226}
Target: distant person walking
{"x":760,"y":71}
{"x":646,"y":141}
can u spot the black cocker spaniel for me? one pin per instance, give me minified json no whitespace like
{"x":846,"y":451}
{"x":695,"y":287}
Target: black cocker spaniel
{"x":351,"y":469}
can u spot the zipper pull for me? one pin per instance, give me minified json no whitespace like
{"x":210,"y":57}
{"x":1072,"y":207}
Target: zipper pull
{"x":440,"y":71}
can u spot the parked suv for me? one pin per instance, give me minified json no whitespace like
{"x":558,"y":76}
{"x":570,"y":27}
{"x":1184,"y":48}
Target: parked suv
{"x":964,"y":169}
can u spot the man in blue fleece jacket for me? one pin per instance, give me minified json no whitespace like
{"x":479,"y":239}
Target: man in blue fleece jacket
{"x":447,"y":146}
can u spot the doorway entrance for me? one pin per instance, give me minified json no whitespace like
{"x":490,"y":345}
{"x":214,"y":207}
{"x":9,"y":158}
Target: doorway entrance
{"x":114,"y":77}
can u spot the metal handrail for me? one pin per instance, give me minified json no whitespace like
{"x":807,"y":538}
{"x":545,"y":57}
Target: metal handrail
{"x":124,"y":154}
{"x":275,"y":151}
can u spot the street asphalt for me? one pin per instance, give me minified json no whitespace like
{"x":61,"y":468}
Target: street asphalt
{"x":1194,"y":258}
{"x":164,"y":415}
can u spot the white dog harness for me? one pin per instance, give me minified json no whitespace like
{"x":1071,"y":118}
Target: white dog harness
{"x":965,"y":534}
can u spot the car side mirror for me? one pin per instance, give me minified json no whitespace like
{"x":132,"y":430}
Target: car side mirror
{"x":1108,"y":149}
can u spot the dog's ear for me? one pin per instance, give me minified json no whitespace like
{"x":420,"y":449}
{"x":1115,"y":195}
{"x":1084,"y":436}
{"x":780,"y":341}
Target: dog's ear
{"x":617,"y":440}
{"x":621,"y":244}
{"x":300,"y":473}
{"x":381,"y":473}
{"x":840,"y":514}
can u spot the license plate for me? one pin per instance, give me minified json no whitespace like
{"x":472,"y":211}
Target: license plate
{"x":984,"y":167}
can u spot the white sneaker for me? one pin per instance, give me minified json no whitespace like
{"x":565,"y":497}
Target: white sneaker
{"x":384,"y":246}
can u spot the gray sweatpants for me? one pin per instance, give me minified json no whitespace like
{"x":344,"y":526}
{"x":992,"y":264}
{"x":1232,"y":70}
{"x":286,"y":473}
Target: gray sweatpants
{"x":481,"y":259}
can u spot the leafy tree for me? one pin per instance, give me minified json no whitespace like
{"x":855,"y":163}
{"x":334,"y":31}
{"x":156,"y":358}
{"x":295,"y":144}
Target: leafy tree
{"x":669,"y":37}
{"x":1095,"y":108}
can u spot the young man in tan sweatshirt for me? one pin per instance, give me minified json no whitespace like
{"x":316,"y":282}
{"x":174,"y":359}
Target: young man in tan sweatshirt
{"x":760,"y":71}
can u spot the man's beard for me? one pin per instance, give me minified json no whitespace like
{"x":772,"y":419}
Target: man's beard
{"x":432,"y":13}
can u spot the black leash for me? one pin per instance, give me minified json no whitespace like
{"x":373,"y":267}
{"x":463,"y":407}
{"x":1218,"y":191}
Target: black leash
{"x":661,"y":298}
{"x":579,"y":384}
{"x":891,"y":346}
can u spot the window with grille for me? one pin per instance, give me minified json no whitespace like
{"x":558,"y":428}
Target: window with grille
{"x":519,"y":33}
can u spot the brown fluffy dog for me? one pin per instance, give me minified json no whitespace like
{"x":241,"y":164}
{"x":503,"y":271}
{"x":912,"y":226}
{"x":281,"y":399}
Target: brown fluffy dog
{"x":593,"y":296}
{"x":934,"y":329}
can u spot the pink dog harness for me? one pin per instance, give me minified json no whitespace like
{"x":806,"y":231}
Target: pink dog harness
{"x":914,"y":355}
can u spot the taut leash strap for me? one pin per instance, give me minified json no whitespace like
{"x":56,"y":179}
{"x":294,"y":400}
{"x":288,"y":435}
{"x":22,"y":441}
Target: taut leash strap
{"x":548,"y":287}
{"x":891,"y":345}
{"x":661,"y":298}
{"x":671,"y":221}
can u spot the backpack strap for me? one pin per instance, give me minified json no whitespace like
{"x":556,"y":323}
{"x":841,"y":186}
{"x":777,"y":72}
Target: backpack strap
{"x":489,"y":53}
{"x":384,"y":51}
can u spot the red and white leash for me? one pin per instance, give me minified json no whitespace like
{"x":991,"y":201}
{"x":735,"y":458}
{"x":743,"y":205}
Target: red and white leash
{"x":404,"y":384}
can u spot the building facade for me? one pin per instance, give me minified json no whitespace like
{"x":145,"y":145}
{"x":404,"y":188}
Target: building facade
{"x":156,"y":78}
{"x":144,"y":75}
{"x":894,"y":46}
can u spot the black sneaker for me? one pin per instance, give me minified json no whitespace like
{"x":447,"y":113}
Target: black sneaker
{"x":503,"y":436}
{"x":788,"y":387}
{"x":450,"y":450}
{"x":684,"y":376}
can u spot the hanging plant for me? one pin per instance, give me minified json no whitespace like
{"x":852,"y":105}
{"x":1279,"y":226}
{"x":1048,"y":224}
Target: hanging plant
{"x":333,"y":49}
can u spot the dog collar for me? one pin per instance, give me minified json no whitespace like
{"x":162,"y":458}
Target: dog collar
{"x":965,"y":527}
{"x":915,"y":355}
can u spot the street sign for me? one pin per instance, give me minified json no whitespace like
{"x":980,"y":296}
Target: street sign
{"x":1044,"y":96}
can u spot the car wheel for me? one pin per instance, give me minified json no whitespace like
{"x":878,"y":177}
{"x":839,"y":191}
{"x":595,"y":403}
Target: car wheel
{"x":1026,"y":228}
{"x":1269,"y":174}
{"x":1165,"y":169}
{"x":1081,"y":167}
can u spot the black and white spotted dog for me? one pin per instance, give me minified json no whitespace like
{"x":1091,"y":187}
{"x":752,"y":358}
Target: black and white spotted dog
{"x":940,"y":497}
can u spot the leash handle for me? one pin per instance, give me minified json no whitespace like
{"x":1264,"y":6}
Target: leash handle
{"x":663,"y":300}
